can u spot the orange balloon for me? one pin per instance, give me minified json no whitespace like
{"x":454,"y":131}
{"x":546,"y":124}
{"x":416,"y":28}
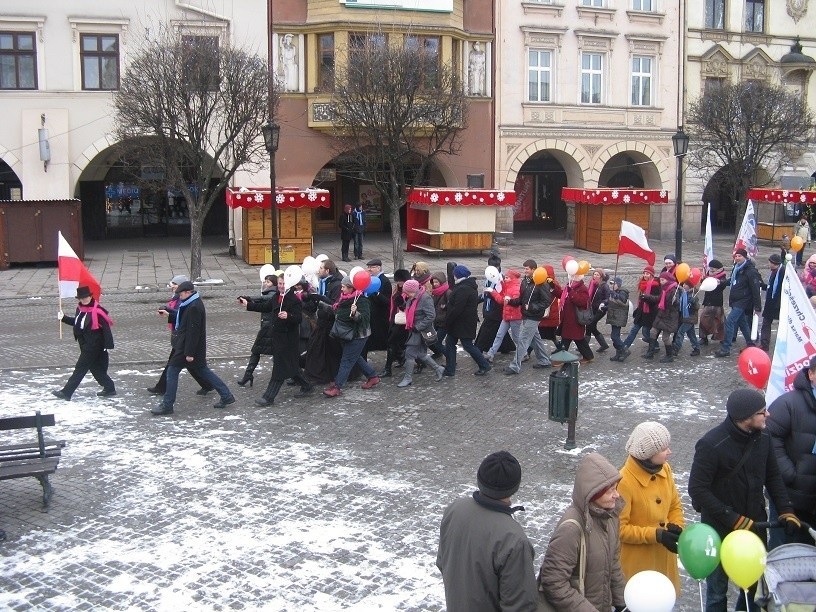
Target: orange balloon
{"x":797,"y":243}
{"x":583,"y":266}
{"x":539,"y":276}
{"x":681,"y":272}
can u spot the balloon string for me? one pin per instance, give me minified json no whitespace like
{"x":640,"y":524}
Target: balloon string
{"x":700,"y":587}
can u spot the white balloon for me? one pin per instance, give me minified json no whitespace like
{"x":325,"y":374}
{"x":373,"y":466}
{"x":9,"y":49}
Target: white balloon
{"x":322,"y":257}
{"x":310,"y":265}
{"x":313,"y":280}
{"x":492,"y":274}
{"x":292,"y":276}
{"x":355,"y":270}
{"x":266,"y":270}
{"x":709,"y":284}
{"x":649,"y":591}
{"x":788,"y":257}
{"x":571,"y":267}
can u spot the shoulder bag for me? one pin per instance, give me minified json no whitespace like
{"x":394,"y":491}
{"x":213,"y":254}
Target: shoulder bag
{"x":400,"y":318}
{"x":342,"y":330}
{"x":543,"y":604}
{"x":585,"y":316}
{"x":429,"y":336}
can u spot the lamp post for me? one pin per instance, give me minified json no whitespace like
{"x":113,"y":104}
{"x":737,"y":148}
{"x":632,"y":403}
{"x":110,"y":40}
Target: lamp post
{"x":680,"y":141}
{"x":271,"y":136}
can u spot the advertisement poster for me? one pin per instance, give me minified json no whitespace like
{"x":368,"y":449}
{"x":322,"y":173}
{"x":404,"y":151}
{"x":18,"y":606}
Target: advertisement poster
{"x":372,"y":206}
{"x":523,"y":209}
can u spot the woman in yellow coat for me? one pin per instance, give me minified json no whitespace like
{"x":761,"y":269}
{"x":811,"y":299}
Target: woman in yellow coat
{"x":652,"y":519}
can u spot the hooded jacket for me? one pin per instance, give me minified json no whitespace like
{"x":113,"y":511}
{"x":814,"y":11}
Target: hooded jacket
{"x":462,"y":309}
{"x":604,"y":581}
{"x":617,"y":313}
{"x":809,"y":278}
{"x":511,"y":288}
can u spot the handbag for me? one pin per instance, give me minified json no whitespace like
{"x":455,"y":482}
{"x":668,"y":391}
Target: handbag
{"x":543,"y":604}
{"x":400,"y":318}
{"x":429,"y":336}
{"x":342,"y":330}
{"x":585,"y":316}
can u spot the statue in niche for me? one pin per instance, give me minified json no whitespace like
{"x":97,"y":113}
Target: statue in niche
{"x":476,"y":70}
{"x":288,"y":63}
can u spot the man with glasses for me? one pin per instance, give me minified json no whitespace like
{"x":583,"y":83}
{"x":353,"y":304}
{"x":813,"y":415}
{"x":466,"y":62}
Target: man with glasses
{"x":732,"y":465}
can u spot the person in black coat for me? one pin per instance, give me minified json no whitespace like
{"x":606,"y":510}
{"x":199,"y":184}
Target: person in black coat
{"x":264,"y":339}
{"x":92,"y":331}
{"x":189,"y":321}
{"x":792,"y":426}
{"x":285,"y":312}
{"x":346,"y":224}
{"x":462,"y":321}
{"x":397,"y":334}
{"x":733,"y":464}
{"x":773,"y":300}
{"x":380,"y":307}
{"x":744,"y":298}
{"x":323,"y":352}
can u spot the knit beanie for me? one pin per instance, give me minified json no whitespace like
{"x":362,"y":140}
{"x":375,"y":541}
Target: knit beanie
{"x":499,"y":475}
{"x":647,"y":440}
{"x":649,"y":269}
{"x":668,"y":276}
{"x":441,"y":277}
{"x":744,"y":403}
{"x":671,"y":257}
{"x":410,"y":285}
{"x":618,"y":281}
{"x":346,"y":281}
{"x":715,"y":264}
{"x":461,"y":271}
{"x":742,"y":252}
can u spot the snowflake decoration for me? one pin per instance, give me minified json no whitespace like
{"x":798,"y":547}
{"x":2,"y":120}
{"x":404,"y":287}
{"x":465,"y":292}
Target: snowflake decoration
{"x":280,"y":198}
{"x":627,"y":199}
{"x":785,"y":194}
{"x":458,"y":197}
{"x":312,"y":196}
{"x":614,"y":194}
{"x":803,"y":198}
{"x":500,"y":196}
{"x":662,"y":193}
{"x":258,"y":197}
{"x":434,"y":197}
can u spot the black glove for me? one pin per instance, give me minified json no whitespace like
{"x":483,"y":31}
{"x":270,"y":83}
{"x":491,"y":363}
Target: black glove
{"x":791,"y":524}
{"x":668,"y":539}
{"x":675,"y":529}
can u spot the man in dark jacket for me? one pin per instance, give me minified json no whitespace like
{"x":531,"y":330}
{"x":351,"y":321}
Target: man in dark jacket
{"x":323,"y":352}
{"x":346,"y":224}
{"x":462,"y":319}
{"x":773,"y":300}
{"x":189,"y":342}
{"x":533,"y":301}
{"x":744,"y":298}
{"x":380,"y":309}
{"x":732,"y":464}
{"x":792,"y":426}
{"x":484,"y":556}
{"x":92,"y":331}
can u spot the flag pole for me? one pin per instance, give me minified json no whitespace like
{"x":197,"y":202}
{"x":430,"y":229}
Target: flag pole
{"x":60,"y":321}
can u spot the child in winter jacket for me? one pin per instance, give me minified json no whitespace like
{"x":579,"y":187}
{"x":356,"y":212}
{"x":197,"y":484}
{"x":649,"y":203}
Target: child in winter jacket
{"x":689,"y":311}
{"x":511,"y":315}
{"x":617,"y":315}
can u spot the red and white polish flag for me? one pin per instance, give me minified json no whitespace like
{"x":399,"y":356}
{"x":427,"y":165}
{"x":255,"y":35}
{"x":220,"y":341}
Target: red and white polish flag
{"x":72,"y":273}
{"x":633,"y":241}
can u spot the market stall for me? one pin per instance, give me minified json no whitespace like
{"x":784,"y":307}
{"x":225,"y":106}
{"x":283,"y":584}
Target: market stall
{"x":777,"y":210}
{"x":450,"y":219}
{"x":294,"y":209}
{"x":599,"y":212}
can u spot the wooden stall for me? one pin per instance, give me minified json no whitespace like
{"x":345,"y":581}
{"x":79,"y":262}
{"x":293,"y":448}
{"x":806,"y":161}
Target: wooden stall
{"x":441,"y":219}
{"x":294,"y":209}
{"x":777,"y":211}
{"x":599,"y":212}
{"x":28,"y":229}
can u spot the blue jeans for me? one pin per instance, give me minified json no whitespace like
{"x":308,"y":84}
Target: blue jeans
{"x":528,"y":334}
{"x":450,"y":353}
{"x":352,"y":351}
{"x":736,"y":319}
{"x":686,"y":329}
{"x":645,"y":331}
{"x":200,"y":372}
{"x":505,"y":326}
{"x":616,"y":338}
{"x":717,"y":593}
{"x":358,"y":244}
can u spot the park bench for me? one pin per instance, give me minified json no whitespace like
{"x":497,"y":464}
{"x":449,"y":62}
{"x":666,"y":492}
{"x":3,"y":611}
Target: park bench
{"x":38,"y":458}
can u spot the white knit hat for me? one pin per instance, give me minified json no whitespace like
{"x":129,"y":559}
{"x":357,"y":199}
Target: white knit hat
{"x":647,"y":440}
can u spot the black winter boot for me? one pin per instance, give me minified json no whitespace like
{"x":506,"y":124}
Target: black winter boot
{"x":650,"y":353}
{"x":268,"y":398}
{"x":617,"y":355}
{"x":669,"y":357}
{"x":389,"y":360}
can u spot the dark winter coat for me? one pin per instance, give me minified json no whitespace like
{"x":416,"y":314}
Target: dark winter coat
{"x":90,"y":340}
{"x":485,"y":558}
{"x":440,"y":302}
{"x":264,"y":341}
{"x":715,"y":297}
{"x":720,"y":497}
{"x":380,"y":306}
{"x":647,"y":300}
{"x":617,"y":310}
{"x":573,"y":296}
{"x":745,"y":292}
{"x":533,"y":299}
{"x":773,"y":303}
{"x":284,"y":333}
{"x":362,"y":320}
{"x":792,"y":426}
{"x":600,"y":299}
{"x":668,"y":317}
{"x":463,"y":307}
{"x":346,"y":224}
{"x":190,"y":337}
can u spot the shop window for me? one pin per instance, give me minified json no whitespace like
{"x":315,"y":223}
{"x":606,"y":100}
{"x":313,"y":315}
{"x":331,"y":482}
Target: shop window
{"x":99,"y":55}
{"x":18,"y":60}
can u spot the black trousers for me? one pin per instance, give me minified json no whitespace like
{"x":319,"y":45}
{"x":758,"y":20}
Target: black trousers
{"x":344,"y":247}
{"x":95,"y":362}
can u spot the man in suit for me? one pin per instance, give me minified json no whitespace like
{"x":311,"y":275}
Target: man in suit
{"x":773,"y":299}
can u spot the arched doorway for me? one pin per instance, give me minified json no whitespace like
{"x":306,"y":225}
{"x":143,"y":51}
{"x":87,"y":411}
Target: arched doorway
{"x":538,"y":190}
{"x":11,"y":188}
{"x":630,"y":170}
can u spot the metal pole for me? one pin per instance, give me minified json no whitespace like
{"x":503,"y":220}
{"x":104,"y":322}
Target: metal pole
{"x":678,"y":230}
{"x":274,"y":209}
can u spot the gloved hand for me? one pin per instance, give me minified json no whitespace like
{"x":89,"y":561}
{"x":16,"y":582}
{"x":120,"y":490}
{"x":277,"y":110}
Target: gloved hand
{"x":743,"y":522}
{"x":675,"y":529}
{"x":668,"y":539}
{"x":791,"y":524}
{"x":60,"y":315}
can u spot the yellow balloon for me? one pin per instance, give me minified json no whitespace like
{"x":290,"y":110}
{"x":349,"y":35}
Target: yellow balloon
{"x":583,"y":266}
{"x":539,"y":276}
{"x":797,"y":243}
{"x":742,"y":555}
{"x":681,"y":272}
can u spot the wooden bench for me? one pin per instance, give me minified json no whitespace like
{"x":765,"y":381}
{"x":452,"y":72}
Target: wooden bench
{"x":38,"y":458}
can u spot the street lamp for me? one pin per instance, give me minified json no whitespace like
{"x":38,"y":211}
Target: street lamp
{"x":271,"y":136}
{"x":680,"y":142}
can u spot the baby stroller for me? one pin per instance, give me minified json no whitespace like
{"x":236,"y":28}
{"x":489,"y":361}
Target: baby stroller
{"x":789,"y":581}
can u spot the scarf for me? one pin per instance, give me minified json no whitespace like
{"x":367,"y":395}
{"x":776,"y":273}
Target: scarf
{"x":645,"y":286}
{"x":737,"y":269}
{"x":488,"y":301}
{"x":684,"y":304}
{"x":647,"y":465}
{"x":440,"y":290}
{"x":95,"y":310}
{"x":410,"y":309}
{"x":359,"y":215}
{"x":346,"y":296}
{"x":774,"y":282}
{"x":663,"y":304}
{"x":181,"y":305}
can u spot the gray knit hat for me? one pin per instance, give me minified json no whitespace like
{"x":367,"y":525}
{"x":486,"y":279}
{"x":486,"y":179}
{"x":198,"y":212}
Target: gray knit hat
{"x":744,"y":403}
{"x":647,"y":440}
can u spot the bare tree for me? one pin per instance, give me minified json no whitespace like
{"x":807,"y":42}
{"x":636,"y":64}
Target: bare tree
{"x":742,"y":131}
{"x":194,"y":108}
{"x":395,"y":109}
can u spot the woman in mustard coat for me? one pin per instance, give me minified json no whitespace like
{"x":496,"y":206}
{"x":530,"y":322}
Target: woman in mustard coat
{"x":652,"y":519}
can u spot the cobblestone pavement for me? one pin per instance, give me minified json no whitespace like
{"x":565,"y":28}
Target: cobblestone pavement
{"x":309,"y":505}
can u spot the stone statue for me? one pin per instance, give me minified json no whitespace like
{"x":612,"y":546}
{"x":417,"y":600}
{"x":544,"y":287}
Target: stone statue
{"x":289,"y":63}
{"x":476,"y":70}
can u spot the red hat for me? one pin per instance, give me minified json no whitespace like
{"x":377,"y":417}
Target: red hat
{"x":650,"y":270}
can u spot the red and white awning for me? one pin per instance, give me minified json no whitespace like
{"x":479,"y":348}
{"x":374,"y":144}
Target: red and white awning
{"x":446,"y":196}
{"x":259,"y":197}
{"x":606,"y":197}
{"x":782,"y":196}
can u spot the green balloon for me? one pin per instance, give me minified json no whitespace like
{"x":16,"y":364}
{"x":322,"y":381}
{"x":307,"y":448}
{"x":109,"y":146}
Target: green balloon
{"x":699,"y":550}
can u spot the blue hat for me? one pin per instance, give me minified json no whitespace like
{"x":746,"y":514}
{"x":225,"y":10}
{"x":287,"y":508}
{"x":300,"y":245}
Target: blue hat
{"x":461,"y":271}
{"x":618,"y":281}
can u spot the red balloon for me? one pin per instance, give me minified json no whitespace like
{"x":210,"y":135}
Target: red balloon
{"x":361,"y":280}
{"x":695,"y":276}
{"x":755,"y":366}
{"x":565,"y":260}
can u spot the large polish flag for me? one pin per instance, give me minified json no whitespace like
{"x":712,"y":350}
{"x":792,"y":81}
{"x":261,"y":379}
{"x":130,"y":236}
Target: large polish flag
{"x":633,"y":242}
{"x":72,"y":273}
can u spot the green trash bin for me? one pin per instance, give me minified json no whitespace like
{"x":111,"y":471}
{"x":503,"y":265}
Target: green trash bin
{"x":563,"y":399}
